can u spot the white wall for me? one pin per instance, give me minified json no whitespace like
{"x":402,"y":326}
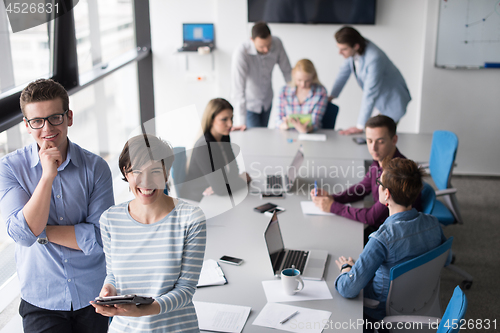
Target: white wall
{"x":404,"y":29}
{"x":175,"y":86}
{"x":403,"y":45}
{"x":466,"y":102}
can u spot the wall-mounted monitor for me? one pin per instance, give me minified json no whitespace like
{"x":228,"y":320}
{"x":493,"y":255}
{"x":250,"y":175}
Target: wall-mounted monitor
{"x":195,"y":35}
{"x":312,"y":11}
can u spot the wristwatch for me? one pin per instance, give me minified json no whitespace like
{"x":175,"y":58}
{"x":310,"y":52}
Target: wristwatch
{"x":345,"y":266}
{"x":43,"y":240}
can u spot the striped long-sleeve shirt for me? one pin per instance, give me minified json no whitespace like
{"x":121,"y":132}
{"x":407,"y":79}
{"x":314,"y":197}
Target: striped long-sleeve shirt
{"x":161,"y":260}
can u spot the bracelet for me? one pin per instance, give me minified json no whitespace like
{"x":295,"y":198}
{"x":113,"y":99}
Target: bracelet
{"x":344,"y":266}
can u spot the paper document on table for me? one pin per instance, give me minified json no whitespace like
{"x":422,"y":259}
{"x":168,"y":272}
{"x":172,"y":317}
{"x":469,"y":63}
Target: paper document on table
{"x":221,"y":317}
{"x":211,"y":274}
{"x":309,"y":208}
{"x":306,"y":320}
{"x":313,"y":290}
{"x":312,"y":137}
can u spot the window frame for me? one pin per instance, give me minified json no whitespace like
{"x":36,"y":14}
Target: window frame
{"x":65,"y":65}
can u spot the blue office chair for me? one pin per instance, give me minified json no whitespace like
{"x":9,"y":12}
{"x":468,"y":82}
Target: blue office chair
{"x":443,"y":152}
{"x":429,"y":202}
{"x":449,"y":323}
{"x":414,"y":284}
{"x":427,"y":199}
{"x":455,"y":312}
{"x":330,"y":116}
{"x":178,"y":170}
{"x":441,"y":162}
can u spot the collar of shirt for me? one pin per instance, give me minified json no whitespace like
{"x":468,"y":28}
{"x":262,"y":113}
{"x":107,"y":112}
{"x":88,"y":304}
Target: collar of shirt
{"x":379,"y":167}
{"x":35,"y":158}
{"x":403,"y":216}
{"x":253,"y":51}
{"x":210,"y":138}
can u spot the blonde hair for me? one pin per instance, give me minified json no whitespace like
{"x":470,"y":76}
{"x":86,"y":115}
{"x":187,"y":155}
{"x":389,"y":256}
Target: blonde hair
{"x":306,"y":66}
{"x":214,"y":107}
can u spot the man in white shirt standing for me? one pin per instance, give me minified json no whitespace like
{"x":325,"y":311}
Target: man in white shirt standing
{"x":251,"y":75}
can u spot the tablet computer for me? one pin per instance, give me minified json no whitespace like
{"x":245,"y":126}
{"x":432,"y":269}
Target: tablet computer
{"x":303,"y":118}
{"x":123,"y":299}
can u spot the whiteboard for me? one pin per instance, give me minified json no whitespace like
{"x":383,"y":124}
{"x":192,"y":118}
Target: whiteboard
{"x":468,"y":34}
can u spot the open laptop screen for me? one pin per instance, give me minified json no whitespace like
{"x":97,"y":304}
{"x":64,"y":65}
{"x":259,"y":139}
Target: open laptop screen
{"x":274,"y":241}
{"x":198,"y":32}
{"x":296,"y":163}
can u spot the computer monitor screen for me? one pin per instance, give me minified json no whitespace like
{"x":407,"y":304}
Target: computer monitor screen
{"x":198,"y":32}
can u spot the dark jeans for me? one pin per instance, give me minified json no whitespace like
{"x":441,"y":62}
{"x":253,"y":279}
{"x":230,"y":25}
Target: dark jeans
{"x":258,"y":119}
{"x":38,"y":320}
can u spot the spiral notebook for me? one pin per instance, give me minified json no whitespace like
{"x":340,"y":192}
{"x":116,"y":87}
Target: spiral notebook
{"x":211,"y":274}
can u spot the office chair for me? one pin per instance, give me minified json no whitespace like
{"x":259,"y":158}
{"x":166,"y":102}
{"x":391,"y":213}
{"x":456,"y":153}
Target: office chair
{"x":428,"y":197}
{"x":178,"y":170}
{"x":442,"y":159}
{"x":330,"y":116}
{"x":449,"y":323}
{"x":414,"y":284}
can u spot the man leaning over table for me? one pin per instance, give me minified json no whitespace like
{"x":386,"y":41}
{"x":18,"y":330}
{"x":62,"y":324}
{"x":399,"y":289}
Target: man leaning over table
{"x":381,"y":141}
{"x":52,"y":193}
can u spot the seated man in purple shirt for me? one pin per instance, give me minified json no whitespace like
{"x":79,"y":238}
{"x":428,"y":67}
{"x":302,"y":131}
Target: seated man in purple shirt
{"x":381,"y":140}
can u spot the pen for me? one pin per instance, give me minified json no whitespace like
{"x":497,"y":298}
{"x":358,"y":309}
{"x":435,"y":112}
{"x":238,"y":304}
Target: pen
{"x":315,"y":188}
{"x":289,"y":317}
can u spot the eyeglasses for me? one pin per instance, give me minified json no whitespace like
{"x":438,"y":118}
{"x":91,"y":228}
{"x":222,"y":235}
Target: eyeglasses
{"x":54,"y":120}
{"x":380,"y":183}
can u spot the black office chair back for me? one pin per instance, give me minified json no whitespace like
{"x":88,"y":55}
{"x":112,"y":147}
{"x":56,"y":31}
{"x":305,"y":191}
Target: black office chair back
{"x":330,"y":116}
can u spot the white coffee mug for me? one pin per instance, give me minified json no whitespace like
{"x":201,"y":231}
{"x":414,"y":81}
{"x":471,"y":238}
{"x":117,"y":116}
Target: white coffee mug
{"x":290,"y":278}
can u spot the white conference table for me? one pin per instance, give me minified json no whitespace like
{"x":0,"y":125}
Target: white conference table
{"x":275,"y":142}
{"x":239,"y":232}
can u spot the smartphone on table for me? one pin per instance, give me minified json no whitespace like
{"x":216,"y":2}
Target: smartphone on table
{"x":272,"y":195}
{"x":359,"y":140}
{"x":231,"y":260}
{"x":265,"y":207}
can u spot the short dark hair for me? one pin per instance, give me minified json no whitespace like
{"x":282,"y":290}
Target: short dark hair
{"x":43,"y":90}
{"x":261,"y":30}
{"x":350,"y":36}
{"x":403,"y":178}
{"x":142,"y":149}
{"x":382,"y":121}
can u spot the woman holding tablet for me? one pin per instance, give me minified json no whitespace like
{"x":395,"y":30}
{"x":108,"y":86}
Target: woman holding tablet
{"x":154,"y":245}
{"x":404,"y":235}
{"x":305,"y":96}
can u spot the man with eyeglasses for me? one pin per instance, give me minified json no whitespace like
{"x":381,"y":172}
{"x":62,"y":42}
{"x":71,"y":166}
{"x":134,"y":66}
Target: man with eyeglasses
{"x":381,"y":139}
{"x":52,"y":193}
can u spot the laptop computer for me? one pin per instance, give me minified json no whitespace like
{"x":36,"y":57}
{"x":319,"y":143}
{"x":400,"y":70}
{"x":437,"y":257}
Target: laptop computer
{"x":195,"y":35}
{"x":311,"y":263}
{"x":279,"y":183}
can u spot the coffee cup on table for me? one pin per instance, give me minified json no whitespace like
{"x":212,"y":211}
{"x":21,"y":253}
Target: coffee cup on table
{"x":290,"y":279}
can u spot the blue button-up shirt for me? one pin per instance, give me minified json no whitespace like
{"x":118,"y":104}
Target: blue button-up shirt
{"x":52,"y":276}
{"x":403,"y":236}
